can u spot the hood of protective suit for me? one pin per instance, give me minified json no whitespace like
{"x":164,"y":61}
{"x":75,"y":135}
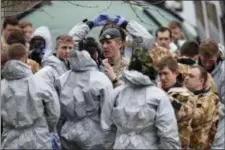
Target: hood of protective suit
{"x":137,"y":78}
{"x":222,"y":49}
{"x":51,"y":61}
{"x":44,"y":32}
{"x":81,"y":61}
{"x":14,"y":70}
{"x":219,"y":68}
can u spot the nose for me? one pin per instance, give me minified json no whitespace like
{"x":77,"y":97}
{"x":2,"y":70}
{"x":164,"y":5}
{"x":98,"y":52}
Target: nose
{"x":162,"y":77}
{"x":68,"y":50}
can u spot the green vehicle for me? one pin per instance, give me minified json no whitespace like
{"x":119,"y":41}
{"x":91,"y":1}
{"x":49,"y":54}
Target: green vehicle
{"x":61,"y":16}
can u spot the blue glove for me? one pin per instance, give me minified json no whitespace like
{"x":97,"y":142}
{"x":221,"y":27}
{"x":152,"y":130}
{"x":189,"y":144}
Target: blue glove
{"x":118,"y":20}
{"x":55,"y":141}
{"x":100,"y":20}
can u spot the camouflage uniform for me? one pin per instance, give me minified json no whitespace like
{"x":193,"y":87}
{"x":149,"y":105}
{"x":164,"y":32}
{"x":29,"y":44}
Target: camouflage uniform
{"x":184,"y":103}
{"x":118,"y":69}
{"x":204,"y":120}
{"x":157,"y":53}
{"x":184,"y":69}
{"x":142,"y":62}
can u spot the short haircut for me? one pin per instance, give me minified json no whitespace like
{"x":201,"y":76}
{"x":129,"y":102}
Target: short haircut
{"x":189,"y":49}
{"x":209,"y":48}
{"x":10,"y":21}
{"x":89,"y":44}
{"x":16,"y":36}
{"x":163,"y":29}
{"x":64,"y":39}
{"x":203,"y":72}
{"x":174,"y":24}
{"x":16,"y":51}
{"x":24,"y":24}
{"x":169,"y":62}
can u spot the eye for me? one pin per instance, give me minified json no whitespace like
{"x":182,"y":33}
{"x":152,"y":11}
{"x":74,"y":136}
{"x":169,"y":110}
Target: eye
{"x":64,"y":47}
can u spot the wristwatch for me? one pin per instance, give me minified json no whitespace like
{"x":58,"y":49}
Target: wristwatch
{"x":115,"y":81}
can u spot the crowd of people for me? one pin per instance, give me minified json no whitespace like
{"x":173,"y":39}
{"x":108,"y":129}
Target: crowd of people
{"x":127,"y":89}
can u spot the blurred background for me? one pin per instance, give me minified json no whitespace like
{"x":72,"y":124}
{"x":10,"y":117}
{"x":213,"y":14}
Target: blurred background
{"x":199,"y":19}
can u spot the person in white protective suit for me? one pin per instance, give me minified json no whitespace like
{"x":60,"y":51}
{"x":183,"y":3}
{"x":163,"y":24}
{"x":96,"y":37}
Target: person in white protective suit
{"x":219,"y":141}
{"x":113,"y":43}
{"x":55,"y":65}
{"x":140,"y":115}
{"x":40,"y":44}
{"x":82,"y":92}
{"x":29,"y":106}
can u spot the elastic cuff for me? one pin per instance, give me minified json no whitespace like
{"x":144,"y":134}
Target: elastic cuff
{"x":124,"y":24}
{"x":90,"y":24}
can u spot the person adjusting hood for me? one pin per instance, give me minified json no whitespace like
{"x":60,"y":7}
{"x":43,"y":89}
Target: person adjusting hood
{"x":83,"y":90}
{"x":29,"y":106}
{"x":112,"y":38}
{"x":140,"y":115}
{"x":58,"y":63}
{"x":40,"y":44}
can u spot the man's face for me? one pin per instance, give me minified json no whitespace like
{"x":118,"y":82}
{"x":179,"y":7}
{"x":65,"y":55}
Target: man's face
{"x":163,"y":39}
{"x":167,"y":78}
{"x":28,"y":30}
{"x":63,"y":50}
{"x":193,"y":81}
{"x":208,"y":62}
{"x":111,"y":47}
{"x":176,"y":33}
{"x":9,"y":28}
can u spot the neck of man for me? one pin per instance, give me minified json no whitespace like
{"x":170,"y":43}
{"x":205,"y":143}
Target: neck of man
{"x":199,"y":90}
{"x":23,"y":59}
{"x":114,"y":60}
{"x":175,"y":84}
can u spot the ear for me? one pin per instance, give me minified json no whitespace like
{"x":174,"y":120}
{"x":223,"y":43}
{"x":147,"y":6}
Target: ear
{"x":120,"y":43}
{"x":202,"y":80}
{"x":176,"y":72}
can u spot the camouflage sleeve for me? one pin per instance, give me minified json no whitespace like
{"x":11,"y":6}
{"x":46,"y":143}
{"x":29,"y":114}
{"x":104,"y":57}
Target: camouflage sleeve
{"x":204,"y":121}
{"x":210,"y":84}
{"x":184,"y":106}
{"x":215,"y":118}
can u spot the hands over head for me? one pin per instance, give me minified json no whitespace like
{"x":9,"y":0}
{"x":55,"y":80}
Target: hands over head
{"x":102,"y":18}
{"x":118,"y":20}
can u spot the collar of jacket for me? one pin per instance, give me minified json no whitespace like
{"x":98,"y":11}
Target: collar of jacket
{"x":217,"y":62}
{"x":177,"y":84}
{"x":186,"y":61}
{"x":67,"y":63}
{"x":201,"y":92}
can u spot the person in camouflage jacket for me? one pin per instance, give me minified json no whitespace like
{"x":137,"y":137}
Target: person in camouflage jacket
{"x":157,"y":53}
{"x":182,"y":100}
{"x":188,"y":56}
{"x":206,"y":116}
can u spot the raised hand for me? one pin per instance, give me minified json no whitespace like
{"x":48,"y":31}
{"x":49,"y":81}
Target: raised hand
{"x":100,"y":19}
{"x":118,"y":20}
